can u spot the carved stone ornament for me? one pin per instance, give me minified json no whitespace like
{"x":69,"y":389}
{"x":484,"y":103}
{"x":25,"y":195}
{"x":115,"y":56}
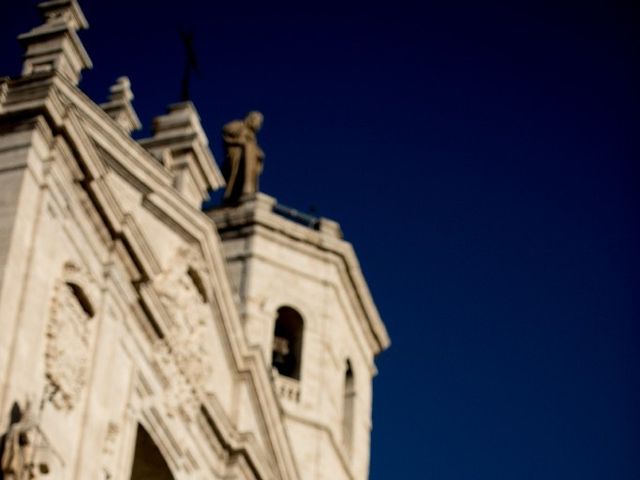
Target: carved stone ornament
{"x":68,"y":338}
{"x":109,"y":451}
{"x":180,"y":396}
{"x":27,"y":453}
{"x":183,"y":293}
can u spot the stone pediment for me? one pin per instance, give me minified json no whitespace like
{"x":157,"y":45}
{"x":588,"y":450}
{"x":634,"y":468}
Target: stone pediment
{"x":160,"y":341}
{"x":195,"y":288}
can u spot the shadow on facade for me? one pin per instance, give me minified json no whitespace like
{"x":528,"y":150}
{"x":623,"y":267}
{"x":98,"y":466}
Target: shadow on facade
{"x":148,"y":462}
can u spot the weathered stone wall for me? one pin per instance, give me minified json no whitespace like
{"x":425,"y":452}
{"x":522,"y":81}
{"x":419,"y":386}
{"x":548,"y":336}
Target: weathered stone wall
{"x":274,"y":262}
{"x":128,"y":329}
{"x":106,"y":331}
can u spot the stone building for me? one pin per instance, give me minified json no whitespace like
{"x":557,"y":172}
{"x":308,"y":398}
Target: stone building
{"x":144,"y":338}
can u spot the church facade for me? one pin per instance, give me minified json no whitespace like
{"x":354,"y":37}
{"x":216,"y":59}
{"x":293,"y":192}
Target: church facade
{"x":144,"y":338}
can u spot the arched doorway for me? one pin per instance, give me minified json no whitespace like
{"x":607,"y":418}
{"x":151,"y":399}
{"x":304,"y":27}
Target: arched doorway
{"x":148,"y":462}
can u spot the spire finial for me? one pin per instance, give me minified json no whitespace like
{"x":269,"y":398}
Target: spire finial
{"x":119,"y":105}
{"x":181,"y":145}
{"x":54,"y":45}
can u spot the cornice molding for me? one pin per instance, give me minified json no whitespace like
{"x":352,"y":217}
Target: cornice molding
{"x":241,"y":222}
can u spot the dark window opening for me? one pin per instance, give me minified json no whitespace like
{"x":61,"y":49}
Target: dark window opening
{"x":287,"y":343}
{"x":348,"y":407}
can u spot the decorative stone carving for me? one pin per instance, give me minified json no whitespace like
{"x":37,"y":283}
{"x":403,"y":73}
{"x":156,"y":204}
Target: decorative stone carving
{"x":243,"y":157}
{"x":109,"y":451}
{"x":119,"y":105}
{"x":184,"y":354}
{"x":68,"y":339}
{"x":180,"y":397}
{"x":180,"y":144}
{"x":184,"y":294}
{"x":192,"y":357}
{"x":27,"y":452}
{"x":110,"y":438}
{"x":55,"y":45}
{"x":182,"y":285}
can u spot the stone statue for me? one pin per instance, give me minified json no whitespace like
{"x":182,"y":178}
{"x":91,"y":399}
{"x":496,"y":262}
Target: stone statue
{"x":243,"y":157}
{"x":22,"y":455}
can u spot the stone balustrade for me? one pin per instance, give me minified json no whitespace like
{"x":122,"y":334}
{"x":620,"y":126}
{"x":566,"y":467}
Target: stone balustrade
{"x":287,"y":388}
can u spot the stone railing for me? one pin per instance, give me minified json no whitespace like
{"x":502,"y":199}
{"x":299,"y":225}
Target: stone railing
{"x":287,"y":388}
{"x":297,"y":216}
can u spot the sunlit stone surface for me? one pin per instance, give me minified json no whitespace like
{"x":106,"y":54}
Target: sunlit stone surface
{"x":142,"y":338}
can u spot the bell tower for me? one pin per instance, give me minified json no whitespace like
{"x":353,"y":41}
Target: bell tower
{"x":306,"y":306}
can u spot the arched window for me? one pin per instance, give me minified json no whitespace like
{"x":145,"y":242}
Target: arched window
{"x":287,"y":343}
{"x":148,"y":462}
{"x":348,"y":407}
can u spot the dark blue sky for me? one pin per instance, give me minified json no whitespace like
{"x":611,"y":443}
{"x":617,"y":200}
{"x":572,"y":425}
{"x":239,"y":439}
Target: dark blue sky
{"x":483,"y":160}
